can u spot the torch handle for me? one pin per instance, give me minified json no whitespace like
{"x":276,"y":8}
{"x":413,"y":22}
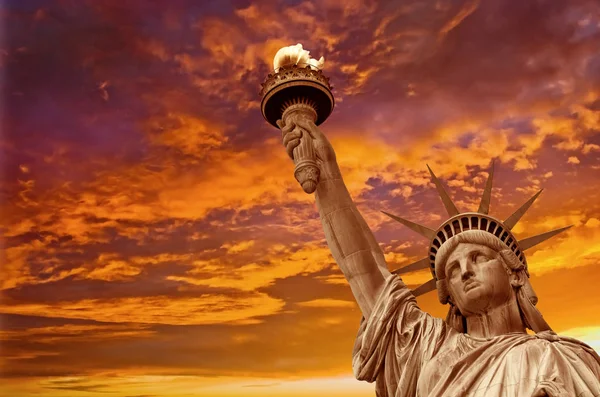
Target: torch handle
{"x":306,"y":170}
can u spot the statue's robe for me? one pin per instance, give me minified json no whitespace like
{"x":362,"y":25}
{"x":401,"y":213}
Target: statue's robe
{"x":410,"y":353}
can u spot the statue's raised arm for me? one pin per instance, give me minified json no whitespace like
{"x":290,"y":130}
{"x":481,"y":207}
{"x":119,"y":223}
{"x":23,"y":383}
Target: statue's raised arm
{"x":350,"y":240}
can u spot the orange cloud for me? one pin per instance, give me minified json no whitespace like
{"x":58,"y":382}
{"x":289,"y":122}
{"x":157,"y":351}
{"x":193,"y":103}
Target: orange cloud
{"x":113,"y":270}
{"x":335,"y":279}
{"x":188,"y":134}
{"x":282,"y":263}
{"x":264,"y":20}
{"x":325,"y":302}
{"x":358,"y":76}
{"x":579,"y":246}
{"x":467,"y":9}
{"x":123,"y":385}
{"x":206,"y":309}
{"x":238,"y":247}
{"x":51,"y":334}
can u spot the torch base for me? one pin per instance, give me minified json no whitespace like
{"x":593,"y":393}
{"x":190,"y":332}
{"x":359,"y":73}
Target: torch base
{"x":288,"y":85}
{"x":307,"y":174}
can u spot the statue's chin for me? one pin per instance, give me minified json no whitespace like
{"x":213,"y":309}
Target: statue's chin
{"x":477,"y":302}
{"x":472,"y":294}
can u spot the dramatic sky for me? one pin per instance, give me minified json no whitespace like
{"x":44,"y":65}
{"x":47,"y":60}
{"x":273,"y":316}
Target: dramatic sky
{"x":155,"y":242}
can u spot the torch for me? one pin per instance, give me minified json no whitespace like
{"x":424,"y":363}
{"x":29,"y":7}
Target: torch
{"x":298,"y":89}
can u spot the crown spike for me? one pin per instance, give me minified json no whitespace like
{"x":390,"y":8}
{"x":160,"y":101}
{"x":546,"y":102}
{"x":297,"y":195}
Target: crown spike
{"x":425,"y":288}
{"x":422,"y":230}
{"x":421,"y":264}
{"x":532,"y":241}
{"x":484,"y":206}
{"x":512,"y":220}
{"x":450,"y":207}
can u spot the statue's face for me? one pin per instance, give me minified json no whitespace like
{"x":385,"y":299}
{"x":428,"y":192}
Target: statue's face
{"x":477,"y":279}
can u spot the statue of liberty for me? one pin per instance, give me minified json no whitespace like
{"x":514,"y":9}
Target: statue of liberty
{"x":479,"y":269}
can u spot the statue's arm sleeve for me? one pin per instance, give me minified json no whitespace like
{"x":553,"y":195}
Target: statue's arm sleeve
{"x":395,"y":342}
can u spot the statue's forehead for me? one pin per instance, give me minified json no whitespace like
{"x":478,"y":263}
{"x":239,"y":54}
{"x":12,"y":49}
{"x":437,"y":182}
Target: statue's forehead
{"x":465,"y":248}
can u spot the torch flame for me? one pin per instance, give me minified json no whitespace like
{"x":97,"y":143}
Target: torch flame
{"x":296,"y":55}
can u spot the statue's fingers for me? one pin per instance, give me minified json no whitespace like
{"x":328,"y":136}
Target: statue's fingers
{"x":280,"y":123}
{"x":286,"y":129}
{"x":312,"y":129}
{"x":290,"y":147}
{"x":291,"y":135}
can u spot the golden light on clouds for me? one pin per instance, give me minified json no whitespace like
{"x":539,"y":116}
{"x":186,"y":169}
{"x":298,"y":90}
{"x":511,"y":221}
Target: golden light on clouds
{"x":66,"y":332}
{"x":580,"y":247}
{"x":283,"y":263}
{"x":203,"y":386}
{"x":327,"y":303}
{"x":155,"y":241}
{"x":205,"y":309}
{"x":188,"y":134}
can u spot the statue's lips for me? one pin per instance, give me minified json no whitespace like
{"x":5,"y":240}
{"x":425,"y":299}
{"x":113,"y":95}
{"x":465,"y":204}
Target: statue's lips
{"x":469,"y":285}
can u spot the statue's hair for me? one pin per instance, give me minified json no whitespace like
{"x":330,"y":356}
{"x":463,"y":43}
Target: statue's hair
{"x":526,"y":297}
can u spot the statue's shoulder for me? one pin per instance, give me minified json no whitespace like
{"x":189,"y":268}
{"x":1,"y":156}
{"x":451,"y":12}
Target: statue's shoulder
{"x":569,"y":347}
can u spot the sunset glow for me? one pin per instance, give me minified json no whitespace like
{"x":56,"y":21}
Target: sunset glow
{"x":155,"y":241}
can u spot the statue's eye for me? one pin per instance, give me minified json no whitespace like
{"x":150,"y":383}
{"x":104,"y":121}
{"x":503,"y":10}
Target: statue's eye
{"x":479,"y":257}
{"x":451,"y":269}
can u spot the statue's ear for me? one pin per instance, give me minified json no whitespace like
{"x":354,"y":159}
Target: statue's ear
{"x":517,"y":278}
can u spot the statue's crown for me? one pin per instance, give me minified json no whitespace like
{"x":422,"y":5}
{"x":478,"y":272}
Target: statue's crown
{"x":461,"y":222}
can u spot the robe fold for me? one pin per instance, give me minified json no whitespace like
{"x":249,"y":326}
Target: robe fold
{"x":407,"y":352}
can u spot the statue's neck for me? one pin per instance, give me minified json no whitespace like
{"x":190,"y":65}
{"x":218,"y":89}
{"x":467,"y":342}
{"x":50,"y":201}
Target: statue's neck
{"x":498,"y":321}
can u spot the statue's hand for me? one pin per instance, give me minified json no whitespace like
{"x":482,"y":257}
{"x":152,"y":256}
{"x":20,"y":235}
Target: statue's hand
{"x":302,"y":128}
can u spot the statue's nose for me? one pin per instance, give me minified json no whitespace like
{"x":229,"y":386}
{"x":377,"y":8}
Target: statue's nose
{"x":466,"y":269}
{"x":467,"y":275}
